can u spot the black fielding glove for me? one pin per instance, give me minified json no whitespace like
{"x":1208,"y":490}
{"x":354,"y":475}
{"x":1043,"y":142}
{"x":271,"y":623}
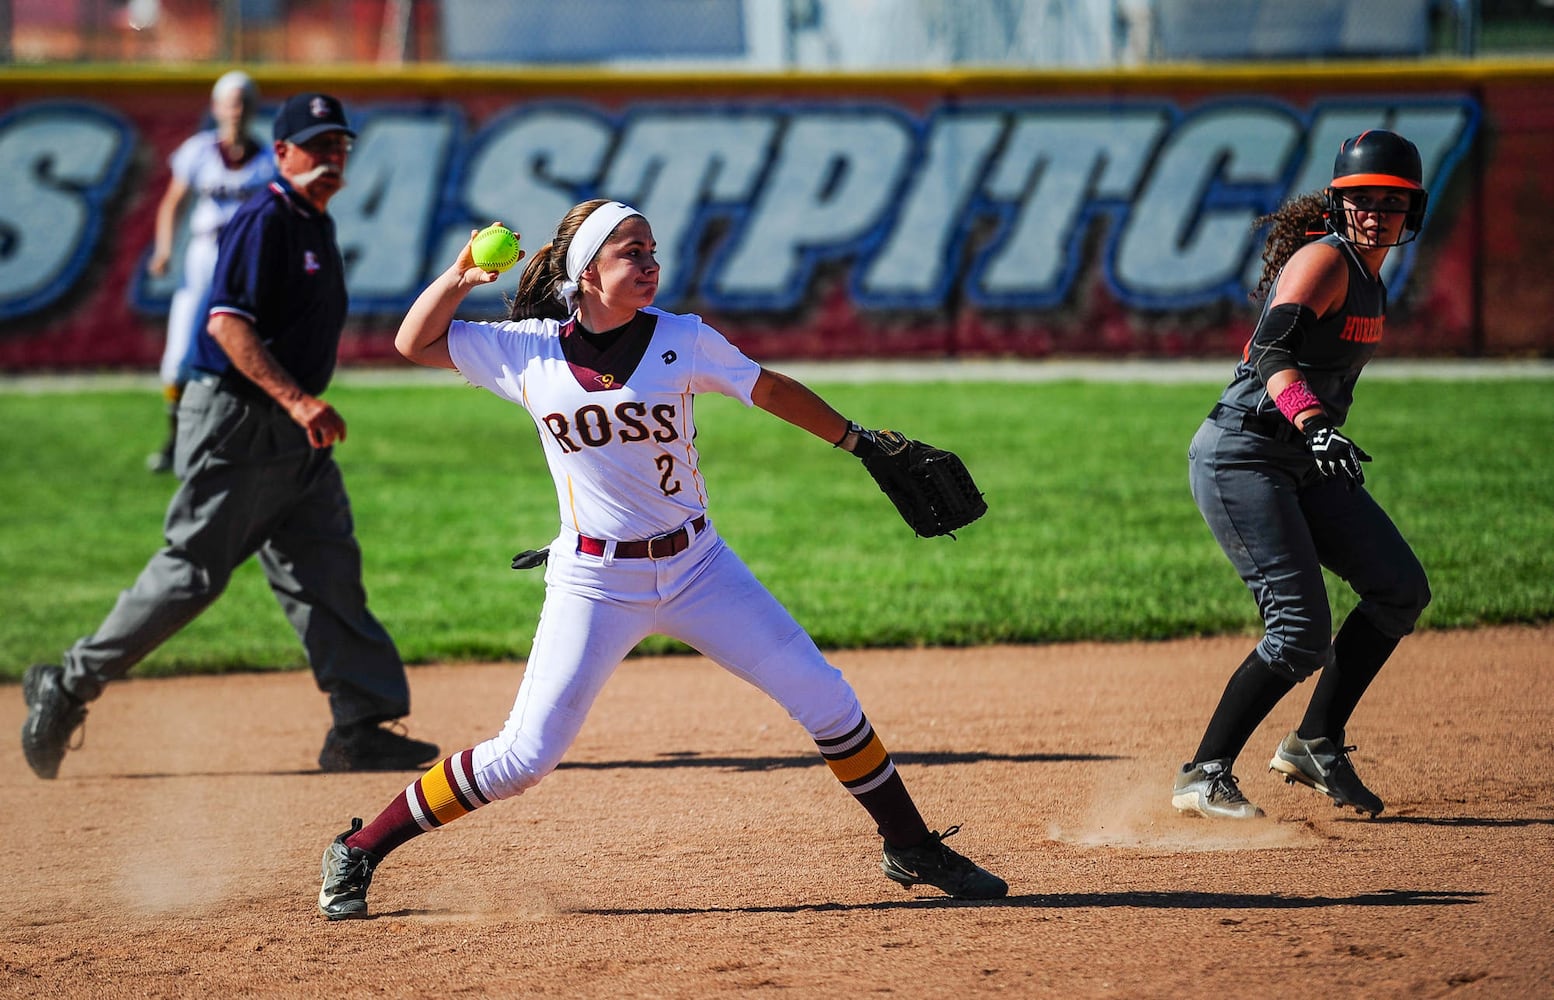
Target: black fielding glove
{"x":930,"y":487}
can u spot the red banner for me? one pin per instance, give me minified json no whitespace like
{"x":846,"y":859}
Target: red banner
{"x":939,"y":215}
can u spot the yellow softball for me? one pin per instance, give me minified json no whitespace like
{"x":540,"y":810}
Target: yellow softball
{"x":494,"y":248}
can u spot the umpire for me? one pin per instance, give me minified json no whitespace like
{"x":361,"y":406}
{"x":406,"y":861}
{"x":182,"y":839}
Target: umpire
{"x":255,"y":456}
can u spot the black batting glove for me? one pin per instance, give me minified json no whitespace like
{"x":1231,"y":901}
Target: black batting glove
{"x":1336,"y":455}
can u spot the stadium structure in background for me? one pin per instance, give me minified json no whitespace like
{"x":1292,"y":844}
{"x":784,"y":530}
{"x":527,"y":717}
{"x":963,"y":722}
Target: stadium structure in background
{"x":765,"y":35}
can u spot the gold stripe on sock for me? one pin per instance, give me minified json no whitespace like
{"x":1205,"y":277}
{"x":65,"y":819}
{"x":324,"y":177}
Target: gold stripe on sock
{"x":440,"y":797}
{"x":863,"y":762}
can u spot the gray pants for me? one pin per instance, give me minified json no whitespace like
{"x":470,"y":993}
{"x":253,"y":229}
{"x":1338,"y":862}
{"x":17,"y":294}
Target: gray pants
{"x":1279,"y":521}
{"x":251,"y":483}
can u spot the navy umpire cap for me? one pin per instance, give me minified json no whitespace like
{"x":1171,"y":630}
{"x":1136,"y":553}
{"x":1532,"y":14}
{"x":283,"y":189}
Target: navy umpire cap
{"x":306,"y":115}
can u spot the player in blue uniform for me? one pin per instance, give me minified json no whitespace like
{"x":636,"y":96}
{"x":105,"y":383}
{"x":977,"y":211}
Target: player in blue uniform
{"x":1281,"y":486}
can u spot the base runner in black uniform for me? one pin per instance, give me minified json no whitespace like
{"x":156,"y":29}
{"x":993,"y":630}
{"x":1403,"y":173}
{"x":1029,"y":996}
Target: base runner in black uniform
{"x":1281,"y":486}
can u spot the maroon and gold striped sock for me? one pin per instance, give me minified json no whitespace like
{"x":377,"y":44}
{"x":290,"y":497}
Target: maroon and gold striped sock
{"x":444,"y":793}
{"x":863,"y":766}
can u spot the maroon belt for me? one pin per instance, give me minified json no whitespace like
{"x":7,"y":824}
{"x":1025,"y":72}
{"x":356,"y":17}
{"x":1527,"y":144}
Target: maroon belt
{"x":657,"y":547}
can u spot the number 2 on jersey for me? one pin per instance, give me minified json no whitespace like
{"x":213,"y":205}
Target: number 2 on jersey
{"x":667,"y":482}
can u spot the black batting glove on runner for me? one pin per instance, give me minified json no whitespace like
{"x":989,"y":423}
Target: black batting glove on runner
{"x":1336,"y":455}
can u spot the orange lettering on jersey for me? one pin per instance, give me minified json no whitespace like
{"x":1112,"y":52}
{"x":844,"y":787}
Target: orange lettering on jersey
{"x":1362,"y":329}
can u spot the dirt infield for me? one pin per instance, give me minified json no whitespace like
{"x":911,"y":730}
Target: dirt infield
{"x":693,"y":845}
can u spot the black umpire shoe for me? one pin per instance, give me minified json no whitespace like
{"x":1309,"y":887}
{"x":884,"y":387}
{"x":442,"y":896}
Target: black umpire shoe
{"x":934,"y":864}
{"x":370,"y":746}
{"x":53,"y":715}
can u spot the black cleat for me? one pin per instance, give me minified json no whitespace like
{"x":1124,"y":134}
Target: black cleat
{"x":1324,"y":765}
{"x":931,"y":863}
{"x":347,"y":872}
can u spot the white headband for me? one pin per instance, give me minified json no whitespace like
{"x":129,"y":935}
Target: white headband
{"x":590,"y":236}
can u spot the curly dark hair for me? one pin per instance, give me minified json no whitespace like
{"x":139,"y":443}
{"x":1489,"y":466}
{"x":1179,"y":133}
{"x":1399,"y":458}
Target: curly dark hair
{"x":1296,"y":223}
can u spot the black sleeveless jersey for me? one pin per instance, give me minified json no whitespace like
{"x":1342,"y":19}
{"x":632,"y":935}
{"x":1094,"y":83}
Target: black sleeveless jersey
{"x":1333,"y":351}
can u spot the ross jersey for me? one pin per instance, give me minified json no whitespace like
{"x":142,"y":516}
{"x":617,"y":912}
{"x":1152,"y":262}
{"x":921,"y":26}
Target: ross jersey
{"x":218,"y":188}
{"x":1333,"y":353}
{"x":616,"y":425}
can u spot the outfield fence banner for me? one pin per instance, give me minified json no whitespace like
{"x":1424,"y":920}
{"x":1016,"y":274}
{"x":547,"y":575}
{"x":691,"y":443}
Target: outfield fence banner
{"x":924,"y":215}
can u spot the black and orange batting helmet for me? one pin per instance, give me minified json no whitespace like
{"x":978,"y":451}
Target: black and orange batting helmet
{"x":1378,"y":158}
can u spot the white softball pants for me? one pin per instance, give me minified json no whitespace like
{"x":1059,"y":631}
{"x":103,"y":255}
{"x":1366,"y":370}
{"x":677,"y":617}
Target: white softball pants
{"x":596,"y":611}
{"x":185,"y":311}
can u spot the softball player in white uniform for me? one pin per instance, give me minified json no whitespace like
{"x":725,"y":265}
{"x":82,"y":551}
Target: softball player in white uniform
{"x":222,"y":168}
{"x":610,"y":385}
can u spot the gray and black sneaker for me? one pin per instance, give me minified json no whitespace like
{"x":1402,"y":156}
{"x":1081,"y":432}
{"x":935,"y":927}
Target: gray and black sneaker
{"x":347,"y":872}
{"x":159,"y":462}
{"x":1324,"y":765}
{"x":931,"y":863}
{"x":1209,"y":789}
{"x":53,"y":716}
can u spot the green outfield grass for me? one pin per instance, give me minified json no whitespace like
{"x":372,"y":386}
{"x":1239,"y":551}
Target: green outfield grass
{"x":1091,"y":533}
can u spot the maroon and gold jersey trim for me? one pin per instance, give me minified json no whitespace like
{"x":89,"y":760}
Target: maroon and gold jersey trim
{"x":606,"y":362}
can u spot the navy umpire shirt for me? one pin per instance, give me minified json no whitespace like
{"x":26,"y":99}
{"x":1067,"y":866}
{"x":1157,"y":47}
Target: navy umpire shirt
{"x":278,"y":266}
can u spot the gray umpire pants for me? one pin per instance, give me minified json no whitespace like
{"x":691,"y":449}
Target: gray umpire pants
{"x":251,"y":483}
{"x":1280,"y":522}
